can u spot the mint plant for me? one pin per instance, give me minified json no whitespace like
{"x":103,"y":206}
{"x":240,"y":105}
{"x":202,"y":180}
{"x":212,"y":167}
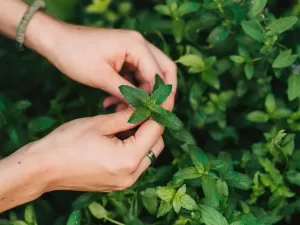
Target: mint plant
{"x":149,"y":105}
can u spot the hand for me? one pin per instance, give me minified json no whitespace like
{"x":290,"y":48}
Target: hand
{"x":96,"y":57}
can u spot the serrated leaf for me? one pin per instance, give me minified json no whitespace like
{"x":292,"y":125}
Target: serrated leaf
{"x":238,"y":180}
{"x":222,"y":188}
{"x":158,"y":82}
{"x":74,"y":218}
{"x":150,"y":200}
{"x":177,"y":204}
{"x":139,"y":115}
{"x":284,"y":59}
{"x":187,"y":7}
{"x":163,"y":9}
{"x":257,"y":7}
{"x":211,"y":216}
{"x":293,"y":90}
{"x":135,"y":97}
{"x":164,"y":208}
{"x":194,"y":61}
{"x":161,"y":94}
{"x":188,"y":202}
{"x":209,"y":186}
{"x":165,"y":193}
{"x":253,"y":30}
{"x":237,"y":59}
{"x":198,"y":157}
{"x":187,"y":173}
{"x":97,"y":210}
{"x":249,"y":70}
{"x":258,"y":117}
{"x":270,"y":103}
{"x":282,"y":24}
{"x":166,"y":118}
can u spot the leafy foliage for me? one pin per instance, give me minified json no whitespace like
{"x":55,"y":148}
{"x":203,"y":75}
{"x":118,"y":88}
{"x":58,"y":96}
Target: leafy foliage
{"x":235,"y":160}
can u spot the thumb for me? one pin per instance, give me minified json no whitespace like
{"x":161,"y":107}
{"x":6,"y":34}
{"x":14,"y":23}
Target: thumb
{"x":117,"y":122}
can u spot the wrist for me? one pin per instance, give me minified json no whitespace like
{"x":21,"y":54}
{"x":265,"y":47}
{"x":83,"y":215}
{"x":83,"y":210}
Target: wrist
{"x":24,"y":177}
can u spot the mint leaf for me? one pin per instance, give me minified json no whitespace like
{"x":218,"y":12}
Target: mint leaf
{"x":133,"y":96}
{"x":249,"y":70}
{"x":187,"y":7}
{"x":187,"y":173}
{"x":211,"y":216}
{"x":97,"y":210}
{"x":188,"y":202}
{"x":191,"y":60}
{"x":158,"y":82}
{"x":177,"y":204}
{"x":150,"y":200}
{"x":218,"y":35}
{"x":209,"y":186}
{"x":293,"y":90}
{"x":270,"y":103}
{"x":166,"y":118}
{"x":237,"y":59}
{"x":163,"y":9}
{"x":238,"y":180}
{"x":164,"y":208}
{"x":165,"y":193}
{"x":178,"y":26}
{"x":139,"y":115}
{"x":29,"y":214}
{"x":281,"y":25}
{"x":258,"y":117}
{"x":198,"y":157}
{"x":161,"y":94}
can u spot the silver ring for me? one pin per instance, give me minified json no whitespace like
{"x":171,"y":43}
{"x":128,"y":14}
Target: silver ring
{"x":152,"y":157}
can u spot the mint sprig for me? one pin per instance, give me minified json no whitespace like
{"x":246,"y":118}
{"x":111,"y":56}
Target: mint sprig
{"x":149,"y":105}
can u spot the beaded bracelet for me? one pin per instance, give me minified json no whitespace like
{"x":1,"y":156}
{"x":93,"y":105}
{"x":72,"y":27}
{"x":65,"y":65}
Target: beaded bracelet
{"x":33,"y":8}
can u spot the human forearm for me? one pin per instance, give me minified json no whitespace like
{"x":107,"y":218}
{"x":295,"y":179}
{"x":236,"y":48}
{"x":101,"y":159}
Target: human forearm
{"x":23,"y":178}
{"x":42,"y":32}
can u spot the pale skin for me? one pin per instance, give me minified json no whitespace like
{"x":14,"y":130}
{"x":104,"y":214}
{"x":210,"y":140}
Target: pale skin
{"x":85,"y":154}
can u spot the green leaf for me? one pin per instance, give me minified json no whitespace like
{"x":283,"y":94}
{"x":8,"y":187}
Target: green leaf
{"x":270,"y":103}
{"x":293,"y":90}
{"x":18,"y":222}
{"x":166,"y":118}
{"x":158,"y":82}
{"x":97,"y":210}
{"x":177,"y":204}
{"x":187,"y":173}
{"x":211,"y":78}
{"x":282,"y":24}
{"x":218,"y":35}
{"x":164,"y":208}
{"x":252,"y":29}
{"x":74,"y":218}
{"x":257,"y":7}
{"x":187,"y":7}
{"x":281,"y":113}
{"x":139,"y":115}
{"x":237,"y":59}
{"x":222,"y":188}
{"x":249,"y":70}
{"x":40,"y":124}
{"x":161,"y":94}
{"x":29,"y":214}
{"x":258,"y":117}
{"x":198,"y":157}
{"x":133,"y":96}
{"x":165,"y":193}
{"x":293,"y":177}
{"x":149,"y":200}
{"x":209,"y":186}
{"x":84,"y":200}
{"x":178,"y":29}
{"x":5,"y":222}
{"x":211,"y":216}
{"x":23,"y":105}
{"x":14,"y":135}
{"x":188,"y":202}
{"x":238,"y":180}
{"x":194,"y":61}
{"x":284,"y":59}
{"x":243,"y":52}
{"x":163,"y":9}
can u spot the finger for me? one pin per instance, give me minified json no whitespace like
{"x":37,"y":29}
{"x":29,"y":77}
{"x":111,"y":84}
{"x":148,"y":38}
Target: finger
{"x":146,"y":66}
{"x":121,"y":107}
{"x":115,"y":81}
{"x":167,"y":66}
{"x":146,"y":162}
{"x":110,"y":101}
{"x":115,"y":122}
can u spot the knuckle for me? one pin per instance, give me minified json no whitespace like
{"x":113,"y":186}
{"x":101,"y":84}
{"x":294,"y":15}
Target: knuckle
{"x":130,"y":165}
{"x":128,"y":182}
{"x":136,"y":36}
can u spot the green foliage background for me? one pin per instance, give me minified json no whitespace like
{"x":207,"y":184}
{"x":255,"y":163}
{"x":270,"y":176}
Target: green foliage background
{"x":239,"y":78}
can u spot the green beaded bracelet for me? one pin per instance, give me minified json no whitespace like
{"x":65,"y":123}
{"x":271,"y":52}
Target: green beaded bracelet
{"x":33,"y":8}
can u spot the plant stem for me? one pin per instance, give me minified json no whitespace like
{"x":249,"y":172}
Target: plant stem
{"x":114,"y":221}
